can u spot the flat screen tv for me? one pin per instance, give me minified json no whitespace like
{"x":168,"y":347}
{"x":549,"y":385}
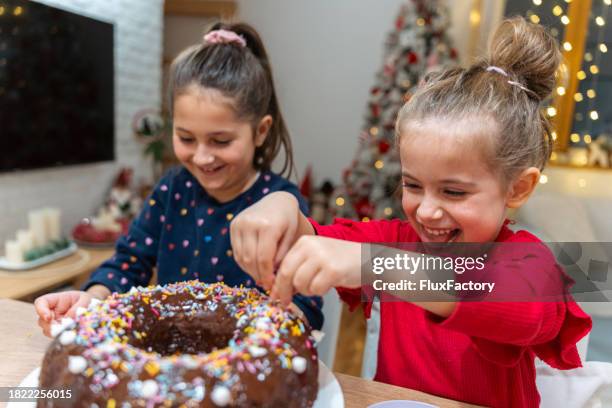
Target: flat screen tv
{"x":56,"y":87}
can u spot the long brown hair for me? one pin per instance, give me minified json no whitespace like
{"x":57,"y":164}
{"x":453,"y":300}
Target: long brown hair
{"x":507,"y":87}
{"x":243,"y":74}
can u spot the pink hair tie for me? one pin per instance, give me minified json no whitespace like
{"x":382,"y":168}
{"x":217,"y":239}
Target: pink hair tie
{"x":224,"y":37}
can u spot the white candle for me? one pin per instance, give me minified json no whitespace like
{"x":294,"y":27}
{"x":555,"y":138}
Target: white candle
{"x":12,"y":252}
{"x":25,"y":239}
{"x":53,"y":224}
{"x":38,"y":227}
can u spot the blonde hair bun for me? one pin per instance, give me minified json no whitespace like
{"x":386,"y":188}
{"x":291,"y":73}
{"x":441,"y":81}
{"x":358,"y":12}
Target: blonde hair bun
{"x":527,"y":52}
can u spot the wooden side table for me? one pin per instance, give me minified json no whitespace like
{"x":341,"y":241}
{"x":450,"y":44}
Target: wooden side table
{"x":75,"y":269}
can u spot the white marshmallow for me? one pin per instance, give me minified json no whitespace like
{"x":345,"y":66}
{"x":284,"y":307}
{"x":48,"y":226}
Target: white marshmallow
{"x":299,"y":364}
{"x":256,"y":351}
{"x":56,"y":329}
{"x":67,"y":337}
{"x":149,"y":389}
{"x":76,"y":364}
{"x":220,"y":396}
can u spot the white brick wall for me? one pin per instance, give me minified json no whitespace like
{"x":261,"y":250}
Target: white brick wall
{"x":78,"y":190}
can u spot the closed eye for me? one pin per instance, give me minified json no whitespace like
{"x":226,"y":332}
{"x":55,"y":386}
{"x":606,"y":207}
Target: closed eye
{"x":411,"y":186}
{"x":455,"y":193}
{"x":186,"y":140}
{"x":221,"y":142}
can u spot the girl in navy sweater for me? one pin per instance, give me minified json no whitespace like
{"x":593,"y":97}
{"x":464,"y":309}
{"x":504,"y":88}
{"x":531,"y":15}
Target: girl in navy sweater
{"x":227,"y":130}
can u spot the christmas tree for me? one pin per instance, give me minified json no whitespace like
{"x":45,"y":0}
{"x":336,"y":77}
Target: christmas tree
{"x":417,"y":45}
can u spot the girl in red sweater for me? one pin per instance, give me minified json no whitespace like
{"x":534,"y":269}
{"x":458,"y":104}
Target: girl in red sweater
{"x":472,"y":143}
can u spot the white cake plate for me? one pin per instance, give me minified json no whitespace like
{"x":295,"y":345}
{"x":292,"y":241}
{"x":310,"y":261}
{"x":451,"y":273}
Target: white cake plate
{"x":329,"y":396}
{"x":11,"y":266}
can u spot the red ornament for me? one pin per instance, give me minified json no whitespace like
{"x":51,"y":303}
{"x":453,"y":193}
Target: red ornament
{"x":399,"y":23}
{"x":306,"y":183}
{"x":389,"y":70}
{"x":364,"y":208}
{"x":383,"y":147}
{"x":375,"y":110}
{"x":453,"y":53}
{"x":412,"y":58}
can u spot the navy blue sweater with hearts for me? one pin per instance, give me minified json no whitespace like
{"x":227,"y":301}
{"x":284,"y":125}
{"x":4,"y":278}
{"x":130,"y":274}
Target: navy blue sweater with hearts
{"x":184,"y":233}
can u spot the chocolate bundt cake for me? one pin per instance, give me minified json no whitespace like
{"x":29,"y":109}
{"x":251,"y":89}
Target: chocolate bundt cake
{"x":186,"y":344}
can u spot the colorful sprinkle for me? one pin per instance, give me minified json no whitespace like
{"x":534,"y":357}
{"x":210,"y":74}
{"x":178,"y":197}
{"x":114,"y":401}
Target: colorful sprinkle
{"x":106,"y":331}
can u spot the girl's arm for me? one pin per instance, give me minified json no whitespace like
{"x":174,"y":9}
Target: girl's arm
{"x":262,"y":234}
{"x":136,"y":252}
{"x":317,"y":264}
{"x":99,"y":291}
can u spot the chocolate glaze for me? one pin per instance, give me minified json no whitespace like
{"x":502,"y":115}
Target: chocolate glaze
{"x":188,"y":338}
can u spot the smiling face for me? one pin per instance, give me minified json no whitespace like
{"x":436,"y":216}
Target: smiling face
{"x":213,"y":144}
{"x":449,"y":192}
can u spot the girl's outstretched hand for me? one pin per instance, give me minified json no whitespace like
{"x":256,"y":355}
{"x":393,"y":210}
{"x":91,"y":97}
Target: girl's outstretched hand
{"x":262,"y":234}
{"x":316,"y":264}
{"x":54,"y":306}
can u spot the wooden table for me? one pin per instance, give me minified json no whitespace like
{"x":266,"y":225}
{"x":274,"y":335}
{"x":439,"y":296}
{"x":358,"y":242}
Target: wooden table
{"x":22,"y":346}
{"x":72,"y":269}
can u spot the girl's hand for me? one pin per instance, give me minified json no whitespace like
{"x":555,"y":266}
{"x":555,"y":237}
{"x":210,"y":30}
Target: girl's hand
{"x":262,"y":234}
{"x":316,"y":264}
{"x":54,"y":306}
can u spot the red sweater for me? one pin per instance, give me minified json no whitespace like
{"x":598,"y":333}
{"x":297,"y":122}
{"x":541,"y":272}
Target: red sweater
{"x":484,"y":352}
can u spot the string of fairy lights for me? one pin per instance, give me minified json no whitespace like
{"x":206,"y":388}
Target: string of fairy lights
{"x":592,"y":60}
{"x":589,"y":71}
{"x":17,"y":11}
{"x":591,"y":63}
